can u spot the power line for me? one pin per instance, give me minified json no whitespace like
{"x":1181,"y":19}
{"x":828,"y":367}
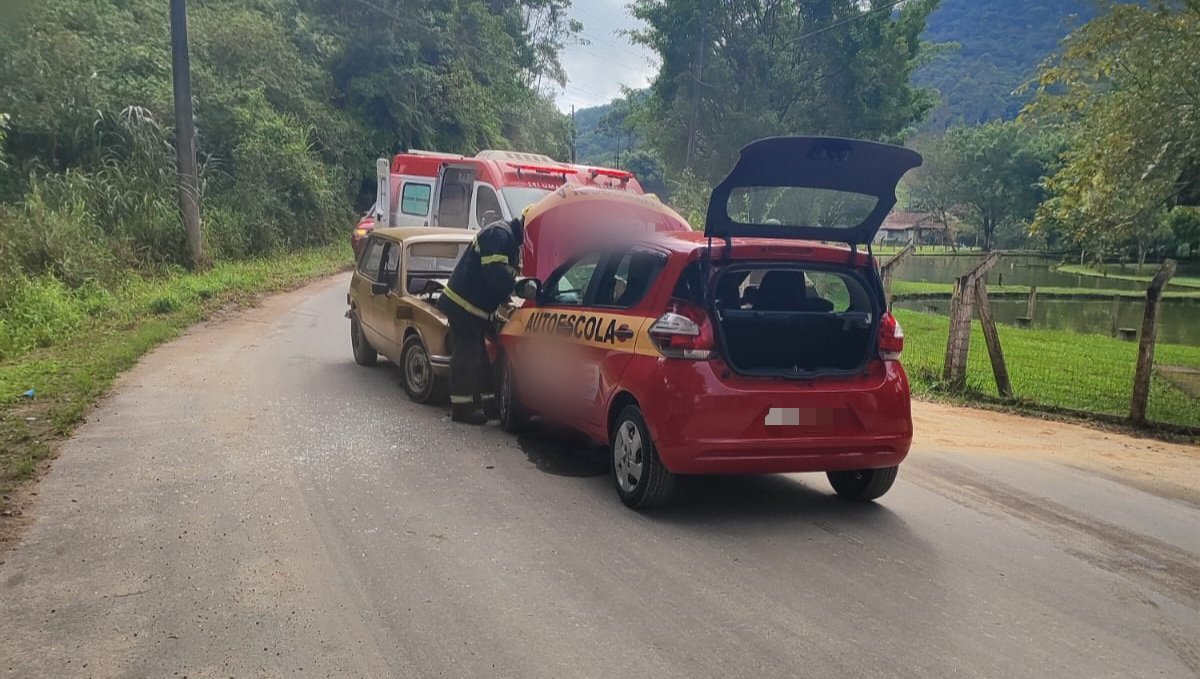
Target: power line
{"x":843,"y":22}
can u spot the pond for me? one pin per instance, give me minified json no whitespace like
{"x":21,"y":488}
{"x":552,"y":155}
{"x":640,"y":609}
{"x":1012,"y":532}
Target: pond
{"x":1178,"y":321}
{"x":1014,"y":270}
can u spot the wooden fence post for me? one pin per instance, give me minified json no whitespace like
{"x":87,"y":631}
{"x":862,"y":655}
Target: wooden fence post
{"x":1145,"y":359}
{"x":1031,"y":309}
{"x":958,"y":344}
{"x":992,"y":337}
{"x":888,"y":269}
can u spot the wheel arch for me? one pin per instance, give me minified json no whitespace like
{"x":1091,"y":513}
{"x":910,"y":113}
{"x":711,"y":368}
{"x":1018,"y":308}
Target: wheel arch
{"x":620,"y":401}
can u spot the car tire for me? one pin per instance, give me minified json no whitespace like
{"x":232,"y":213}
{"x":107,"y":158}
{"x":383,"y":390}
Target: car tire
{"x":863,"y":485}
{"x":514,"y":417}
{"x":641,"y":479}
{"x":364,"y":353}
{"x":416,"y":373}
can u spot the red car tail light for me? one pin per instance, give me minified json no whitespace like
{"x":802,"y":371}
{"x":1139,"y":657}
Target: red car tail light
{"x":891,"y":338}
{"x":684,"y":331}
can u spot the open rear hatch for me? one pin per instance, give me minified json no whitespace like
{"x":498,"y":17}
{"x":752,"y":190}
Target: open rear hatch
{"x":789,"y":318}
{"x":809,"y":188}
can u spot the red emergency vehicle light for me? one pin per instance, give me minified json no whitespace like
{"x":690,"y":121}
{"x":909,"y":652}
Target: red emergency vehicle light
{"x":542,"y":169}
{"x":614,"y":174}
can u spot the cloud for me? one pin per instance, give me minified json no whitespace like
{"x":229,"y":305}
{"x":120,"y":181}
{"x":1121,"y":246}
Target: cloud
{"x":597,"y":71}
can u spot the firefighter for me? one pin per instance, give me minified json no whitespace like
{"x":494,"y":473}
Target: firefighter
{"x":482,"y":280}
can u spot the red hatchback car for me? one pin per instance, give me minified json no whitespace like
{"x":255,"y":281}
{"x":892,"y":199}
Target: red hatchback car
{"x":763,"y":345}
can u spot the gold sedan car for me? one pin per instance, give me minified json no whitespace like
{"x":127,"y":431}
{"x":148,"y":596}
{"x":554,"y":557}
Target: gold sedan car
{"x":393,"y":293}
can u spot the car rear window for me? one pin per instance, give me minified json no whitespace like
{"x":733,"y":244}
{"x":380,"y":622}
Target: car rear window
{"x":790,"y":288}
{"x":799,"y":206}
{"x":843,"y":290}
{"x":434,"y":257}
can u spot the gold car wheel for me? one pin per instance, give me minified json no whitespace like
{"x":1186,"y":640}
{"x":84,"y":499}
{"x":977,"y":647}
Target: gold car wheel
{"x":417,"y":371}
{"x":364,"y":353}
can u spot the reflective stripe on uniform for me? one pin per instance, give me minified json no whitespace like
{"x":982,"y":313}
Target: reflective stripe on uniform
{"x":466,"y":306}
{"x":461,"y":399}
{"x":495,"y":259}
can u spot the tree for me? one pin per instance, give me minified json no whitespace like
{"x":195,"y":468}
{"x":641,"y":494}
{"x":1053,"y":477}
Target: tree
{"x":933,"y":187}
{"x":1124,"y":94}
{"x":1184,"y":225}
{"x":647,"y":167}
{"x":294,"y":100}
{"x":732,"y":72}
{"x":989,"y":176}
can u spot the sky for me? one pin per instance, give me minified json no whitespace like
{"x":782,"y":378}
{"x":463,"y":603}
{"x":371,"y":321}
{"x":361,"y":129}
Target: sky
{"x":596,"y":71}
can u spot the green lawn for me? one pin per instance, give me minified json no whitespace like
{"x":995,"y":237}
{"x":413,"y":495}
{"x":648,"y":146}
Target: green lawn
{"x":1189,"y":281}
{"x":111,"y":330}
{"x":1087,"y":373}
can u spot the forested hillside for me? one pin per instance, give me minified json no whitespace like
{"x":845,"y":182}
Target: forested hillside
{"x":997,"y":46}
{"x":989,"y":49}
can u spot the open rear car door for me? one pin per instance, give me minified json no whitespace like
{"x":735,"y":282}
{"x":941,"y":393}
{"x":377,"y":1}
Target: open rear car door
{"x":809,"y":188}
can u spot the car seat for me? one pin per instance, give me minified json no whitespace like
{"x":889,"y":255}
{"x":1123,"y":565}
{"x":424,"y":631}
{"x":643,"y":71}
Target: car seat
{"x":788,"y":291}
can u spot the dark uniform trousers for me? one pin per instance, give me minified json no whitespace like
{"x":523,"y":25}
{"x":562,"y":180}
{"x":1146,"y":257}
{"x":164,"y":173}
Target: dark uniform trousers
{"x":470,"y":370}
{"x":482,"y":281}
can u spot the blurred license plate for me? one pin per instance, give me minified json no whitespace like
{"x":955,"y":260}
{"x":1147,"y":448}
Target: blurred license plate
{"x":804,"y":417}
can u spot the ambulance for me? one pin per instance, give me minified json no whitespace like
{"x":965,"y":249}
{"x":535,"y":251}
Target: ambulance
{"x":427,"y":188}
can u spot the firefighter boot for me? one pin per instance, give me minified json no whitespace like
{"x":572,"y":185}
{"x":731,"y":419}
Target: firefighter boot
{"x":467,"y":413}
{"x":490,"y":406}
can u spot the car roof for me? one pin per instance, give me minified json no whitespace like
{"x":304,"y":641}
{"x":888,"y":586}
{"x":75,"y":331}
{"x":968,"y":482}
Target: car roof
{"x":404,"y":233}
{"x":689,"y":243}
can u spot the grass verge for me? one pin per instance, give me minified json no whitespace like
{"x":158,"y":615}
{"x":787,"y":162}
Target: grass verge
{"x":69,"y":374}
{"x":1052,"y":370}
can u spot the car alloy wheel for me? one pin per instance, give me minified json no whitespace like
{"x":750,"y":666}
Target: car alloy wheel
{"x":642,"y":480}
{"x":628,"y":451}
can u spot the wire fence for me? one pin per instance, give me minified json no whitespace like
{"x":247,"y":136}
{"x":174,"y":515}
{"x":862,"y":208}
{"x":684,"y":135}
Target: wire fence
{"x":1058,"y":369}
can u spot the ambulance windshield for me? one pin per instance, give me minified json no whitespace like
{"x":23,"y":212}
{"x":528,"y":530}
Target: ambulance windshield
{"x":521,"y":197}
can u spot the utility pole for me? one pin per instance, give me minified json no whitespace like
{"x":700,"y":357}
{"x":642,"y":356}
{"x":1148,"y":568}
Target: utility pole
{"x":185,"y":133}
{"x":573,"y":134}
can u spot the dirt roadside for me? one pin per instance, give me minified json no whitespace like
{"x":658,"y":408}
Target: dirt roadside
{"x":1167,"y":469}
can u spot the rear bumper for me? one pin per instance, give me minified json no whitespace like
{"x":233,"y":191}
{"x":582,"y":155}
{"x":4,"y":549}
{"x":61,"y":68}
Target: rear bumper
{"x":723,"y":456}
{"x":704,"y":421}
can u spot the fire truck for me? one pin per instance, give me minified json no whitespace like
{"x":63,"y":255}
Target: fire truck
{"x":427,"y":188}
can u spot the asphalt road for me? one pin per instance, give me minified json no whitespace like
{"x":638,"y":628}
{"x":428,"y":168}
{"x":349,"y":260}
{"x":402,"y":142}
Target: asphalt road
{"x":249,"y":503}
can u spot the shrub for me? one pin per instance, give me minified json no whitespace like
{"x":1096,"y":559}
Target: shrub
{"x":37,"y":313}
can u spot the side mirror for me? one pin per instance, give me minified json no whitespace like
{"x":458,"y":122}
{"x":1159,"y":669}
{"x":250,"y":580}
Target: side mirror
{"x":528,"y":288}
{"x":380,"y":288}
